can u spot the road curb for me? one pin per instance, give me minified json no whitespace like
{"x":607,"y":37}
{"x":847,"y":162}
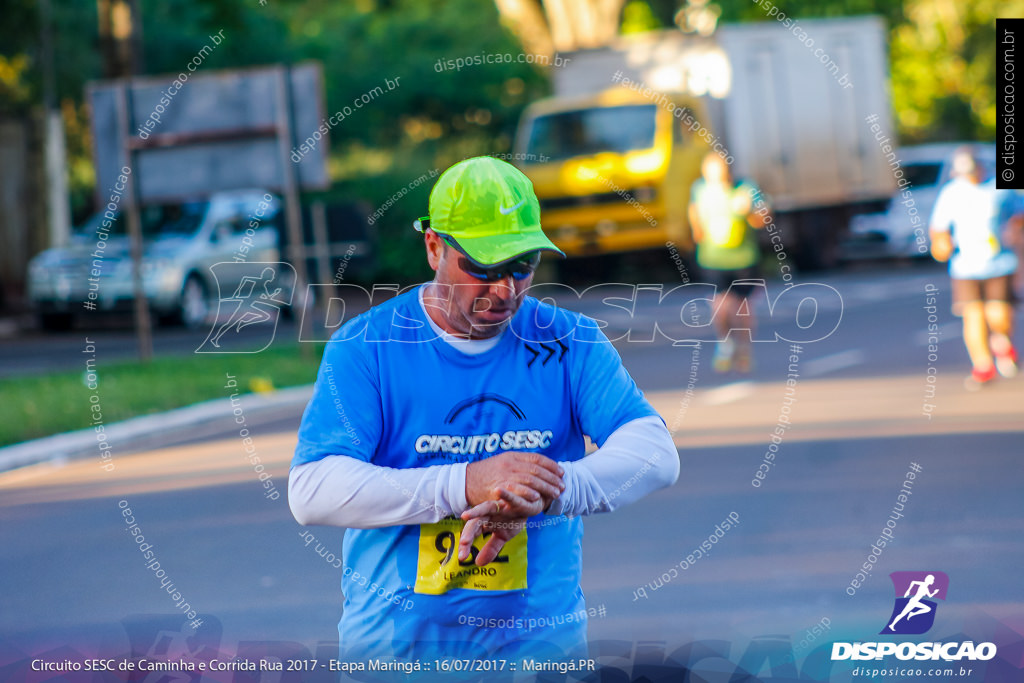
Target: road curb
{"x":148,"y":430}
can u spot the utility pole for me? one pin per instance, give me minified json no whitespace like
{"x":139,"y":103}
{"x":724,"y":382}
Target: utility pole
{"x":58,"y":207}
{"x":120,"y":25}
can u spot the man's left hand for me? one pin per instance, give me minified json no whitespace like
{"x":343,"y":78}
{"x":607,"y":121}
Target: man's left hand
{"x":507,"y":506}
{"x":501,"y":532}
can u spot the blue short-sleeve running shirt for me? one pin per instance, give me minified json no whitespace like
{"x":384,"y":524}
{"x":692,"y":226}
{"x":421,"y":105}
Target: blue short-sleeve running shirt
{"x":391,"y":393}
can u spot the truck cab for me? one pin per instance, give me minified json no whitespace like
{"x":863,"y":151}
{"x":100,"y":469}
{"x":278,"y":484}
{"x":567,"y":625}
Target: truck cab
{"x":612,"y":171}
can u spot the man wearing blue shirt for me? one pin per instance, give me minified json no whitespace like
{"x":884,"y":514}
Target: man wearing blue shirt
{"x":967,"y":229}
{"x":446,"y":433}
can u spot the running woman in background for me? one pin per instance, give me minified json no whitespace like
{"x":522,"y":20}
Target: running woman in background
{"x":972,"y":225}
{"x":721,"y":217}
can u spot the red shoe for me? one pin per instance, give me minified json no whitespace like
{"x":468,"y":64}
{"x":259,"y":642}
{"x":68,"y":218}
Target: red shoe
{"x":979,"y":378}
{"x":1006,"y":364}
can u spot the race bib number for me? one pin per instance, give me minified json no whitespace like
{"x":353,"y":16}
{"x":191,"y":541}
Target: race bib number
{"x":438,"y":569}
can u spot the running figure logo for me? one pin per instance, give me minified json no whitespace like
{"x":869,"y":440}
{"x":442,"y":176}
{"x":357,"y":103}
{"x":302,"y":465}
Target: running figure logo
{"x":914,"y":613}
{"x":256,"y":299}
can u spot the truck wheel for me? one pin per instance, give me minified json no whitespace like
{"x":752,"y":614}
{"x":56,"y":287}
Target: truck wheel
{"x":587,"y":270}
{"x":56,"y":322}
{"x":816,"y":246}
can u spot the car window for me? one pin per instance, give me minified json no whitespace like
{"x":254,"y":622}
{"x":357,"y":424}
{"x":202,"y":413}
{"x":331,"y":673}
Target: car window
{"x":227,"y":227}
{"x":173,"y":219}
{"x":923,"y":174}
{"x":158,"y":220}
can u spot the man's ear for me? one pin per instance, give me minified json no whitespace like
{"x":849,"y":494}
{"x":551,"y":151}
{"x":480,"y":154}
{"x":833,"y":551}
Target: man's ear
{"x":435,"y":247}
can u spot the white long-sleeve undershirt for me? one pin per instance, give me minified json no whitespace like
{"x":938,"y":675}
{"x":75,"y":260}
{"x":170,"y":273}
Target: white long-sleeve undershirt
{"x":637,"y":458}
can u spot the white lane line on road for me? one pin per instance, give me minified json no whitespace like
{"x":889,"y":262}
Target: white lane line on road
{"x":833,"y":362}
{"x":874,"y":292}
{"x":953,"y":330}
{"x":729,"y":393}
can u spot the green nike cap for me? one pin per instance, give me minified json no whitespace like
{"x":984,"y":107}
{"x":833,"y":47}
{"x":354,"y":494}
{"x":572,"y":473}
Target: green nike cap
{"x":488,"y":210}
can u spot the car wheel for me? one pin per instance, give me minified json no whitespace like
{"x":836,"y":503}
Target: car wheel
{"x":303,"y":299}
{"x":195,"y":305}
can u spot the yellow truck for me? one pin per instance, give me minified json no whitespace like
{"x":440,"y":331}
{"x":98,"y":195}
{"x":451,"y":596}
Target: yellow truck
{"x":612,"y":171}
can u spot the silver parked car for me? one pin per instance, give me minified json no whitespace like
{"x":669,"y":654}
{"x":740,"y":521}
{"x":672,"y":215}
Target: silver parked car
{"x":180,"y":243}
{"x":902,"y":229}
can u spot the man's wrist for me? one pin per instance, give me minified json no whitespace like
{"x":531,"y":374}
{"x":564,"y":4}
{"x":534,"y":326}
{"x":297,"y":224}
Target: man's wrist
{"x":458,"y":498}
{"x":557,"y":504}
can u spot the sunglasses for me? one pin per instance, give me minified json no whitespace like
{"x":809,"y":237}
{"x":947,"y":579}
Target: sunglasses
{"x":518,"y":270}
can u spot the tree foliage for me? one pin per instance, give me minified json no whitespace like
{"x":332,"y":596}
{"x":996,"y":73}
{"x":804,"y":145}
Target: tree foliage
{"x":943,"y":68}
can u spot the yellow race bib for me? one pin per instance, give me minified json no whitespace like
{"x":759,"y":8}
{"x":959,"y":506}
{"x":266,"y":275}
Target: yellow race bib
{"x":438,"y":569}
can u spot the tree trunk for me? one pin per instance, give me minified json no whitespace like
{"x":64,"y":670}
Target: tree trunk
{"x":549,"y":26}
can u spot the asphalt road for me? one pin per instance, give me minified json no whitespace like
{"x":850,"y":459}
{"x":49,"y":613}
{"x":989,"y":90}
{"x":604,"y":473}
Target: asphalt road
{"x":74,"y":579}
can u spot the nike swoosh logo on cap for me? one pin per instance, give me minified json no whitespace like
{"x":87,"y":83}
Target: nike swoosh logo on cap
{"x":505,"y":212}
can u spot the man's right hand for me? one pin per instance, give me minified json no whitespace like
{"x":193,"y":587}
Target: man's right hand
{"x":531,"y":478}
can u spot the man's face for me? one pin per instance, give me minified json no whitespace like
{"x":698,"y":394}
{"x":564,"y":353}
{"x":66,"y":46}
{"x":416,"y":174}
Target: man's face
{"x":470,"y":306}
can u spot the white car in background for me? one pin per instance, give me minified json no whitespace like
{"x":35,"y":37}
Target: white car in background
{"x":896,"y":232}
{"x":180,"y":242}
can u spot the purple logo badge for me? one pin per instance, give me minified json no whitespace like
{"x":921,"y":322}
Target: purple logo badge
{"x":914,"y":612}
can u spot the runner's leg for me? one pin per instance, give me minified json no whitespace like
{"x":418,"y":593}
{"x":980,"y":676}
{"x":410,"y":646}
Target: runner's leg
{"x":999,"y":317}
{"x":976,"y":335}
{"x":725,"y":312}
